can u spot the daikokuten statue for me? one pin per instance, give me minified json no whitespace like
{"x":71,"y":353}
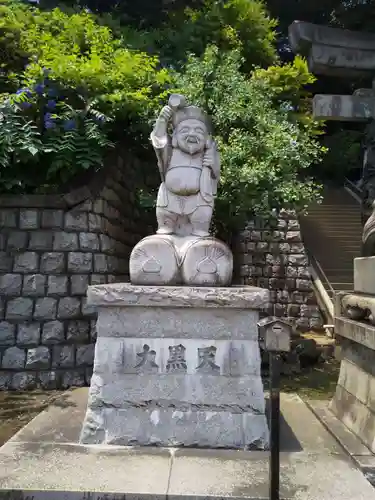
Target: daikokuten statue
{"x":189,"y":167}
{"x":182,"y":251}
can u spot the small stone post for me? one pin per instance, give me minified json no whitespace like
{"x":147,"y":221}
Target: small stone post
{"x":276,"y":334}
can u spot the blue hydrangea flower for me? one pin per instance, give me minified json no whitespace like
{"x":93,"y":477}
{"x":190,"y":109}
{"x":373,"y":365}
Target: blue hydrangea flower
{"x":51,"y":104}
{"x":24,"y":91}
{"x":39,"y":88}
{"x":25,"y":105}
{"x":47,"y":117}
{"x":69,"y":125}
{"x":49,"y":124}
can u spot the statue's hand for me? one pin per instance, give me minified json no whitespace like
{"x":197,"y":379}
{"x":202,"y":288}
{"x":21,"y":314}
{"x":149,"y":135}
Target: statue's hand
{"x":166,"y":113}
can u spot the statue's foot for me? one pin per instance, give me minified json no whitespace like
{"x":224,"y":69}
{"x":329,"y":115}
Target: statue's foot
{"x":164,"y":230}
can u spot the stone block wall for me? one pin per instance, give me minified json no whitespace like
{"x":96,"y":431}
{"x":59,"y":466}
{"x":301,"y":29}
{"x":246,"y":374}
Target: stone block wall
{"x":272,"y":255}
{"x":51,"y":249}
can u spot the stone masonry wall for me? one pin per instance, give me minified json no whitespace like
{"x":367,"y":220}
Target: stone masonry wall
{"x":273,"y":256}
{"x":51,"y":249}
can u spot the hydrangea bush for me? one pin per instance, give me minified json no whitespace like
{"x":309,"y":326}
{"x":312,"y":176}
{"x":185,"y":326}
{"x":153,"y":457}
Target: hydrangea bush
{"x":47,"y":133}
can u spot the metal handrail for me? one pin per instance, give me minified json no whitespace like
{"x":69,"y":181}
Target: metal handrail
{"x":354,"y":190}
{"x":319,"y":277}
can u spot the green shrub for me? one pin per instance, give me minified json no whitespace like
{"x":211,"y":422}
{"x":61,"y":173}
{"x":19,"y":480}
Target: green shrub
{"x":228,"y":24}
{"x":265,"y":153}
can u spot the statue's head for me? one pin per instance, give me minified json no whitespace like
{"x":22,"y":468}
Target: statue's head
{"x":191,"y":130}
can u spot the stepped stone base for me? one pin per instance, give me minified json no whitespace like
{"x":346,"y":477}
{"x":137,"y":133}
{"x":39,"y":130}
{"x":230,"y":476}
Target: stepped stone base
{"x":177,"y":366}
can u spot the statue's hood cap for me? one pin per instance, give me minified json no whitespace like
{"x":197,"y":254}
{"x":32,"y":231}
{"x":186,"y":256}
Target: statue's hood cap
{"x":190,"y":112}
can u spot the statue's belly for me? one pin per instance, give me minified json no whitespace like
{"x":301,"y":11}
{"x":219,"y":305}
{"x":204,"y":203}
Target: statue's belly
{"x":183,"y":180}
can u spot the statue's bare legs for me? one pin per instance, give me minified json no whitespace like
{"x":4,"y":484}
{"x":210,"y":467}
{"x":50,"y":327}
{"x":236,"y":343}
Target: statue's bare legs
{"x":166,"y":221}
{"x":200,"y":220}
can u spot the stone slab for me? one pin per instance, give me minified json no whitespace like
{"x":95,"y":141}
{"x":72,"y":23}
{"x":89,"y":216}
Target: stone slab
{"x":333,"y":51}
{"x":349,"y":441}
{"x":126,"y":295}
{"x":41,"y":463}
{"x":124,"y":391}
{"x":173,"y":428}
{"x":341,"y":61}
{"x":302,"y":35}
{"x":355,"y":415}
{"x":156,"y":322}
{"x":364,"y":275}
{"x":174,"y":410}
{"x":343,"y":107}
{"x":355,"y":380}
{"x":304,"y":476}
{"x":361,"y":333}
{"x":69,"y":467}
{"x":235,"y":358}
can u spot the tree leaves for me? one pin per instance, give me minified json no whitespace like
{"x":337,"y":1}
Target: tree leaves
{"x":265,"y":153}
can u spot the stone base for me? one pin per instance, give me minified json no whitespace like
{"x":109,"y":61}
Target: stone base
{"x":174,"y":260}
{"x":364,"y":275}
{"x":354,"y":399}
{"x":174,"y":428}
{"x":45,"y":462}
{"x":177,"y":366}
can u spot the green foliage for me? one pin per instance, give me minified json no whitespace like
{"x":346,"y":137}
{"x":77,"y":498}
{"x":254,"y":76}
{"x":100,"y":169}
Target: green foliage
{"x":287,"y":85}
{"x":82,"y":54}
{"x":229,"y":24}
{"x":344,"y":155}
{"x":96,"y":78}
{"x":110,"y":87}
{"x":47,"y":137}
{"x":140,"y":13}
{"x":264,"y":154}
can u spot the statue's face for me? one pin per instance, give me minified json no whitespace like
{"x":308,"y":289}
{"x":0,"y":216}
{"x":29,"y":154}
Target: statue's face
{"x":191,"y":136}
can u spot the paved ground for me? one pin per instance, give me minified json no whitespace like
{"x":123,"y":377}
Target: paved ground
{"x":45,"y":458}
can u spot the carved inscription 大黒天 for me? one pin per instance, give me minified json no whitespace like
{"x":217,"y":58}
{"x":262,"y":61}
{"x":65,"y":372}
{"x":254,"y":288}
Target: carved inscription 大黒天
{"x":176,"y":361}
{"x":206,"y":361}
{"x":146,"y":363}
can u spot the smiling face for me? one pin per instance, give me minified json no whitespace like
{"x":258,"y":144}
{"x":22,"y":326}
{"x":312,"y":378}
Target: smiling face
{"x":191,"y":136}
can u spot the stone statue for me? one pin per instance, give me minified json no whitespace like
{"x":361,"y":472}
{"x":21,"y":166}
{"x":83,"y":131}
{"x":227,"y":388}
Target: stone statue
{"x":368,"y":193}
{"x":189,"y":167}
{"x":182,"y":251}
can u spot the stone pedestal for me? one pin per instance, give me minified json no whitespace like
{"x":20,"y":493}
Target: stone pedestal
{"x":354,"y":399}
{"x":176,"y":366}
{"x":364,"y":275}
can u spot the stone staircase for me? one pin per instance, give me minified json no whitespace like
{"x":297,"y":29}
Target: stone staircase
{"x":332,"y":234}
